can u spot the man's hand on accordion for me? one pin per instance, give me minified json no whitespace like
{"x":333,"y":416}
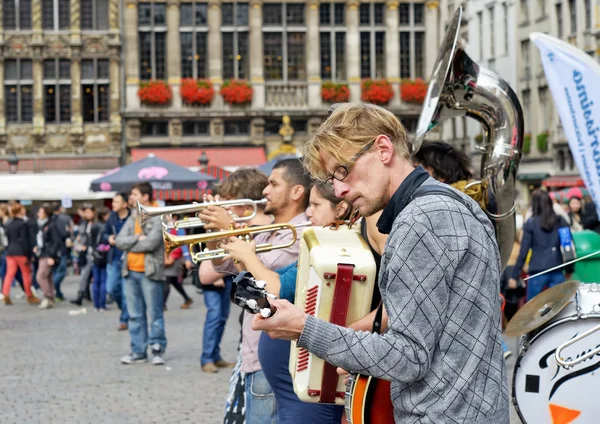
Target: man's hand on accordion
{"x":287,"y":323}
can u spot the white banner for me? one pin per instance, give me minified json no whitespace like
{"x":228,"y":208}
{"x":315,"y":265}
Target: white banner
{"x":574,"y":79}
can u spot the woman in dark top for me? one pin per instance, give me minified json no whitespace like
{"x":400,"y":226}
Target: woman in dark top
{"x":48,"y":249}
{"x":540,"y":234}
{"x":18,"y":254}
{"x":99,"y":258}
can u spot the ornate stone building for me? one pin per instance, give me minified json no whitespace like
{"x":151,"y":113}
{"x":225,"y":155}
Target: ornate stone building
{"x":286,"y":50}
{"x":60,"y":71}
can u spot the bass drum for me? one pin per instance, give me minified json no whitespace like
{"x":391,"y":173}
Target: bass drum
{"x":547,"y":393}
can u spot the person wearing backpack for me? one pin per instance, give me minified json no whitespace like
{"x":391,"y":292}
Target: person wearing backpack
{"x":541,"y":235}
{"x":100,"y":260}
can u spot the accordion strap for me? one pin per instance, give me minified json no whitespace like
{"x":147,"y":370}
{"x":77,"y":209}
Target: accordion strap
{"x":378,"y":318}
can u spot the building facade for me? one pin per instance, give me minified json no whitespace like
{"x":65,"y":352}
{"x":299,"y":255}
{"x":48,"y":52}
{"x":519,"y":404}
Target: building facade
{"x":286,"y":50}
{"x":60,"y":71}
{"x":577,"y":22}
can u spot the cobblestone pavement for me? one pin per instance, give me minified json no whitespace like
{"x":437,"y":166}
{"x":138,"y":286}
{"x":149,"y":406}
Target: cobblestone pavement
{"x":58,"y":368}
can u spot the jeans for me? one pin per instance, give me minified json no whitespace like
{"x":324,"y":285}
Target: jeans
{"x":59,"y":273}
{"x":145,"y":296}
{"x":260,"y":400}
{"x":99,"y":286}
{"x":115,"y":285}
{"x":537,"y":284}
{"x":218,"y":306}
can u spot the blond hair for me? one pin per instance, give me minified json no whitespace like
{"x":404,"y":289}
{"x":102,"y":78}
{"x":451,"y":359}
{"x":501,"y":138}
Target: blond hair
{"x":349,"y":128}
{"x":244,"y":183}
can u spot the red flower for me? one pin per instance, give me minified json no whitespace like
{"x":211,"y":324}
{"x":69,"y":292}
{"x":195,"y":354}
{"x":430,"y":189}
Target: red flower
{"x":413,"y":91}
{"x":155,"y":93}
{"x":194,"y":92}
{"x":236,"y":92}
{"x":378,"y":92}
{"x":335,"y":93}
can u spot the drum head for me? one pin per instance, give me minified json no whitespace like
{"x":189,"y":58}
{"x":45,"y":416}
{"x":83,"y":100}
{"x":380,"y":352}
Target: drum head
{"x":543,"y":391}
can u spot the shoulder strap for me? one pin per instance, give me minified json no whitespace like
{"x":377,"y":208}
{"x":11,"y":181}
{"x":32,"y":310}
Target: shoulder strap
{"x":425,"y":190}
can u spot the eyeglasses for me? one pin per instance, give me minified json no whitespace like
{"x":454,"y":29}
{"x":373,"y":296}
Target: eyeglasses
{"x":341,"y":172}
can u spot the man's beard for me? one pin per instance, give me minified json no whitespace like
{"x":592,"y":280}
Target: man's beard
{"x":372,"y":207}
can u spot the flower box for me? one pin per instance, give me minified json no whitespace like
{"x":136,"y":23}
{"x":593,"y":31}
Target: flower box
{"x":378,"y":92}
{"x":527,"y":143}
{"x":236,"y":92}
{"x":196,"y":92}
{"x":542,"y":141}
{"x":155,"y":93}
{"x":413,"y":91}
{"x":335,"y":93}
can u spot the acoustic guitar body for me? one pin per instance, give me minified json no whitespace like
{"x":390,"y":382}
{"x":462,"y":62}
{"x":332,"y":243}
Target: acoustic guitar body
{"x":369,"y":401}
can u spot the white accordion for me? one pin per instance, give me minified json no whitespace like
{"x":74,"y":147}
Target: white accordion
{"x":336,"y":278}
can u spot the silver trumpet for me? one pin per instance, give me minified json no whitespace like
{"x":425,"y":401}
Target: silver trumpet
{"x":147,"y":212}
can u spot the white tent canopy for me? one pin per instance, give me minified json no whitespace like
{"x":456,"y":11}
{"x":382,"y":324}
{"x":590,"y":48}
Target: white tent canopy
{"x":49,"y":186}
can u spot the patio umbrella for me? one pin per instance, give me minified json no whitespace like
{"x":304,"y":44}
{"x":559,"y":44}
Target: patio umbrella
{"x":576,"y":192}
{"x":162,"y":175}
{"x":268,"y":167}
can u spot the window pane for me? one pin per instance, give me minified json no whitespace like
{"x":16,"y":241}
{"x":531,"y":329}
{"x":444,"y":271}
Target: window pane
{"x":48,"y":14}
{"x":65,"y":69}
{"x":65,"y":103}
{"x":228,"y":55}
{"x":25,"y":14}
{"x":419,"y":13}
{"x":49,"y":69}
{"x":26,"y":103}
{"x":191,"y":128}
{"x":26,"y":69}
{"x":237,"y":127}
{"x":227,"y":14}
{"x":187,"y":55}
{"x":200,"y":12}
{"x":144,"y":14}
{"x":87,"y":103}
{"x":340,"y":56}
{"x":102,"y":14}
{"x":87,"y":14}
{"x":10,"y":69}
{"x":242,"y":58}
{"x":365,"y":14}
{"x":295,"y":14}
{"x":159,"y":13}
{"x":159,"y":41}
{"x":273,"y":55}
{"x":340,"y":14}
{"x":326,"y":55}
{"x":380,"y":54}
{"x":365,"y":55}
{"x":201,"y":54}
{"x":10,"y":14}
{"x":379,"y":13}
{"x":64,"y":14}
{"x":404,"y":11}
{"x":325,"y":14}
{"x":145,"y":55}
{"x":419,"y":56}
{"x":87,"y":69}
{"x":272,"y":14}
{"x":295,"y":59}
{"x":103,"y":105}
{"x":10,"y":96}
{"x":50,"y":103}
{"x":242,"y":14}
{"x":103,"y":69}
{"x":404,"y":55}
{"x":186,"y":17}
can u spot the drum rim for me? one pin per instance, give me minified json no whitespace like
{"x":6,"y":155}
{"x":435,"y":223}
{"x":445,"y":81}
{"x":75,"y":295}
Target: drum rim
{"x":521,"y":354}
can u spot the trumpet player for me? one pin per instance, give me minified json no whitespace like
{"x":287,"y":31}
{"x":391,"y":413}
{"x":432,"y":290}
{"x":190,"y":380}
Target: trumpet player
{"x":287,"y":195}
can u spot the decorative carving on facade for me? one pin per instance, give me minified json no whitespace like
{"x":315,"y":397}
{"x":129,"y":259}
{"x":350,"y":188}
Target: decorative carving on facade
{"x":57,"y":140}
{"x":217,"y":127}
{"x":75,"y":16}
{"x":57,"y":45}
{"x":132,"y":131}
{"x":97,"y":139}
{"x":113,"y":14}
{"x":20,"y":139}
{"x":95,"y":44}
{"x":258,"y":130}
{"x":17,"y":45}
{"x":176,"y":128}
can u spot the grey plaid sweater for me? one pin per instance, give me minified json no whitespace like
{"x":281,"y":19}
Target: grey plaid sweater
{"x":439,"y":281}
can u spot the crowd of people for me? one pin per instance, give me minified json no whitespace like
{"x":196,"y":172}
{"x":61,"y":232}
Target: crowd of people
{"x":429,"y":247}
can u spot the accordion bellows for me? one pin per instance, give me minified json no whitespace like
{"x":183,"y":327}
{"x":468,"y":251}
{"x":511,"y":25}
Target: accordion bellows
{"x":336,"y":277}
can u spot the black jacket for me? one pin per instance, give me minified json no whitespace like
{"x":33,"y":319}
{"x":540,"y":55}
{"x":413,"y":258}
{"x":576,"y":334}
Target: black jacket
{"x":52,"y":240}
{"x":19,"y":238}
{"x":589,"y":218}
